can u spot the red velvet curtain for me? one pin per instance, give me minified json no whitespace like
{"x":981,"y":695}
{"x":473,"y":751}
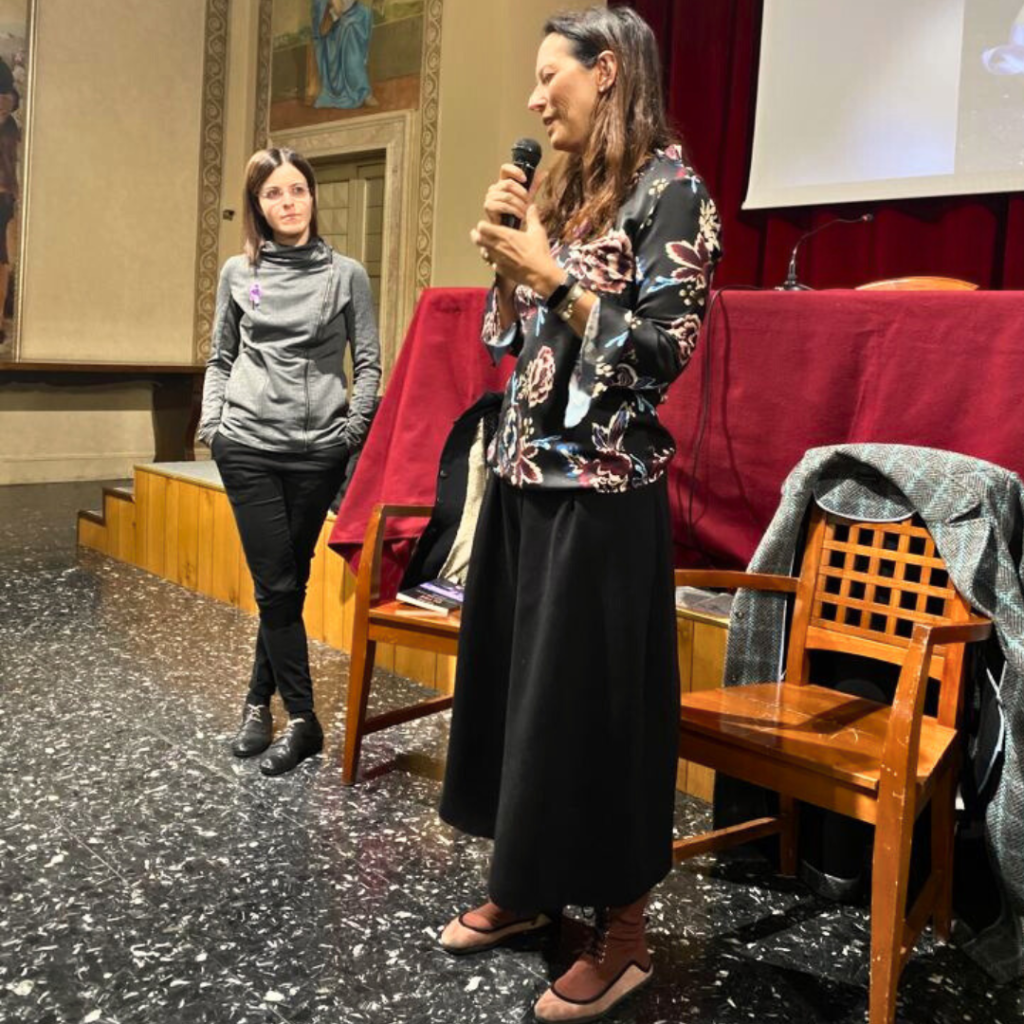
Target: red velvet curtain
{"x":710,"y":49}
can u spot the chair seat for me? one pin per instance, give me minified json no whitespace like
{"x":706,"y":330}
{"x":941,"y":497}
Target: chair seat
{"x":407,"y":616}
{"x":817,"y":729}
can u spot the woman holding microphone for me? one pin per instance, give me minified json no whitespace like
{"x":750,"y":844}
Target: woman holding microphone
{"x":564,"y":732}
{"x":281,"y":420}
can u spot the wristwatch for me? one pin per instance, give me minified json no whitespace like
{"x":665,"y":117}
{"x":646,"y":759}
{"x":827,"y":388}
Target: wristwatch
{"x":560,"y":294}
{"x":568,"y":305}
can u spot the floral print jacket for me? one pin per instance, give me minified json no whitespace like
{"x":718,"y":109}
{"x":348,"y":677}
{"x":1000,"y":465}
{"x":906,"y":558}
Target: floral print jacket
{"x":582,"y":412}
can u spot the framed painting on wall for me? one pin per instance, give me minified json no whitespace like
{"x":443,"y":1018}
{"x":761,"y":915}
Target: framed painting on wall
{"x":339,"y":59}
{"x":14,"y":37}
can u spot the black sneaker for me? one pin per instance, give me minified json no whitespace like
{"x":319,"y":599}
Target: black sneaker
{"x":301,"y":738}
{"x":255,"y":733}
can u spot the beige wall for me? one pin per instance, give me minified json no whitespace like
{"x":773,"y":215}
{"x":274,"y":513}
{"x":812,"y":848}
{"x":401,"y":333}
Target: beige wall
{"x":488,"y":55}
{"x":73,"y":432}
{"x":127,"y":81}
{"x":112,"y":190}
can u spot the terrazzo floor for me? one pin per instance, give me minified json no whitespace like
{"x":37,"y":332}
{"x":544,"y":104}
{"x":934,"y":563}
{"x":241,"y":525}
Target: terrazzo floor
{"x":148,"y":876}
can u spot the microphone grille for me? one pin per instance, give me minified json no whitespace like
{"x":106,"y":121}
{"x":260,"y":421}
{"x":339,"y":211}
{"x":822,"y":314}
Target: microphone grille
{"x":527,"y":151}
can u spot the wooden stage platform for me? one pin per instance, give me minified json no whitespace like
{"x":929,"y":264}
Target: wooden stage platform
{"x":175,"y":522}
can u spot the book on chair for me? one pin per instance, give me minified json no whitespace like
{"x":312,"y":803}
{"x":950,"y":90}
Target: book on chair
{"x":439,"y":596}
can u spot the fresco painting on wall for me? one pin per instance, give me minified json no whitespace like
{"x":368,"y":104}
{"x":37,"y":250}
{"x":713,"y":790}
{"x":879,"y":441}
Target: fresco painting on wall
{"x":338,"y":59}
{"x":13,"y":74}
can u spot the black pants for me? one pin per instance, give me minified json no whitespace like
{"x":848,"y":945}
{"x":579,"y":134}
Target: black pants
{"x":565,"y":725}
{"x":280,"y":501}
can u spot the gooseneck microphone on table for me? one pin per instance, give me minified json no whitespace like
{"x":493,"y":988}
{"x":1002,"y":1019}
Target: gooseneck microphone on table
{"x":526,"y":156}
{"x":792,"y":282}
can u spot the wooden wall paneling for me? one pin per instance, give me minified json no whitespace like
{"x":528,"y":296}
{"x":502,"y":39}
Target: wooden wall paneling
{"x":385,"y":657}
{"x":141,"y":492}
{"x":338,"y":594}
{"x":155,"y":513}
{"x":92,"y":535}
{"x":708,"y":666}
{"x":224,"y":561}
{"x":172,"y":507}
{"x":246,"y":588}
{"x":708,"y":656}
{"x":204,"y":549}
{"x":684,"y":649}
{"x":238,"y":563}
{"x":419,"y":666}
{"x":334,"y":581}
{"x":444,"y":680}
{"x":188,"y":536}
{"x":113,"y":521}
{"x":126,"y":531}
{"x":348,"y":602}
{"x":313,"y":613}
{"x":112,"y":514}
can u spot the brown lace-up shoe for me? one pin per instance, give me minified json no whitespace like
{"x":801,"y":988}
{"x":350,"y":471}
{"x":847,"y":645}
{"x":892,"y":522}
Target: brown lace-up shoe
{"x":614,"y":964}
{"x":486,"y":927}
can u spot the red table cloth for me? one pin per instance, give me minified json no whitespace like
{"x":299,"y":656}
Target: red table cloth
{"x":791,"y":371}
{"x":775,"y":374}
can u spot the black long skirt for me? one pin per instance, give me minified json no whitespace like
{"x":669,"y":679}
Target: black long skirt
{"x":565,"y":723}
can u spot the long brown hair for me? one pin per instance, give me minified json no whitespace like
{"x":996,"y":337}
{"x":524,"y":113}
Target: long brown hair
{"x":261,"y":165}
{"x":583,"y":192}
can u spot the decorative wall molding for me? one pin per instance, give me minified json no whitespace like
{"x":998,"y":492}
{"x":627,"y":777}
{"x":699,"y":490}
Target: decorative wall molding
{"x":395,"y":133}
{"x":211,"y":173}
{"x":25,"y":169}
{"x":430,"y":83}
{"x":264,"y":61}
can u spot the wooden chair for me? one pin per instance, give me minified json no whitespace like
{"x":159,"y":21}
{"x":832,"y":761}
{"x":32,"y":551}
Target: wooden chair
{"x":390,"y":622}
{"x":878,"y":590}
{"x":918,"y":284}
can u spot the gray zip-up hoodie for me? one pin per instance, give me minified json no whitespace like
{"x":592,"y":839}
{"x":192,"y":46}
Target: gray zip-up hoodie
{"x":274,"y":379}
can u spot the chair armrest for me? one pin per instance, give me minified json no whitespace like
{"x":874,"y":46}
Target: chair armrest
{"x":904,"y":736}
{"x":724,"y":579}
{"x":910,"y":689}
{"x":969,"y":632}
{"x":407,"y":511}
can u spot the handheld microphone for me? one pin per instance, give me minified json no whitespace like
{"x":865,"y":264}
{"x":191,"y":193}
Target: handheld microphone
{"x":526,"y":156}
{"x":792,"y":282}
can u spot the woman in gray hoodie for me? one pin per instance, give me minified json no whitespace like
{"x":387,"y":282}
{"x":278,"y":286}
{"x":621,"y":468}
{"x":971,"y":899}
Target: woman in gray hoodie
{"x":281,"y":419}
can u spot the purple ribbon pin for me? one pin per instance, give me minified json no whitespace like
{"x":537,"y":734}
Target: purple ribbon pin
{"x":255,"y":294}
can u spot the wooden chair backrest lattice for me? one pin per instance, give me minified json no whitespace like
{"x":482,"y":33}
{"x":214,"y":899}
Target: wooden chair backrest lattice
{"x":863,"y":587}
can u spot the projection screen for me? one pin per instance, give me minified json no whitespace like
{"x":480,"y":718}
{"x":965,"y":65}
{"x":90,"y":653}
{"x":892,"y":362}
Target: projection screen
{"x":884,"y":99}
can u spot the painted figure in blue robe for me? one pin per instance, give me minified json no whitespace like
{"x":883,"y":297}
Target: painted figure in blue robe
{"x":341,"y":41}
